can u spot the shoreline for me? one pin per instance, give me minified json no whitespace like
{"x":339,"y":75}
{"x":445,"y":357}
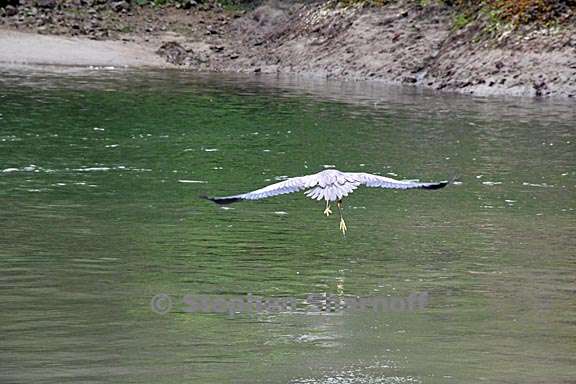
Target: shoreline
{"x":396,"y":44}
{"x":22,"y":49}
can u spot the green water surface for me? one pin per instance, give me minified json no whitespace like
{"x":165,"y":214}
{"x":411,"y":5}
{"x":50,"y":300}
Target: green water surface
{"x":100,"y":174}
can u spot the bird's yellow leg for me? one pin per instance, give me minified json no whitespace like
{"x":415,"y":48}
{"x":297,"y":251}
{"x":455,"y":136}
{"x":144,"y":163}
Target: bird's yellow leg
{"x":343,"y":227}
{"x":327,"y":211}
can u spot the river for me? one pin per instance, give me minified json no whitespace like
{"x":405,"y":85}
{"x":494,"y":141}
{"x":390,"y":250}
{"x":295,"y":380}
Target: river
{"x":112,"y":270}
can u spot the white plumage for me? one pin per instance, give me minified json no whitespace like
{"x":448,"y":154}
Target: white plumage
{"x":329,"y":185}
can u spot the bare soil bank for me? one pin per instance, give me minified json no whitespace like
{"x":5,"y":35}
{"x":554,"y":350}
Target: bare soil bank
{"x":398,"y":43}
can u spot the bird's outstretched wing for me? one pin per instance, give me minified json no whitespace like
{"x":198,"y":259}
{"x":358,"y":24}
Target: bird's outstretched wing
{"x":293,"y":184}
{"x":375,"y":181}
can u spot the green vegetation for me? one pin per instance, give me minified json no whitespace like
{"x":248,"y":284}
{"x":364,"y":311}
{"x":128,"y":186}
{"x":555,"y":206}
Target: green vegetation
{"x":516,"y":12}
{"x":523,"y":11}
{"x":460,"y":21}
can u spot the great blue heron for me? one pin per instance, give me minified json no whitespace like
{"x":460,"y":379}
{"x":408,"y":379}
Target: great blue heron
{"x":330,"y":185}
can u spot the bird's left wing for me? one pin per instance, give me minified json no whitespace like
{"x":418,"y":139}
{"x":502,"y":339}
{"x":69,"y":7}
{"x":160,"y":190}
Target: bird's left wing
{"x":376,"y":181}
{"x":293,"y":184}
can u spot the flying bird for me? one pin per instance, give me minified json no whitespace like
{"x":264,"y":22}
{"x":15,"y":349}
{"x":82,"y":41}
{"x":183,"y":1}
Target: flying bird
{"x":329,"y":185}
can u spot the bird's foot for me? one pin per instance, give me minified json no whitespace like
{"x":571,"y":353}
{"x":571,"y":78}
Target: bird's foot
{"x":343,"y":227}
{"x":327,"y":211}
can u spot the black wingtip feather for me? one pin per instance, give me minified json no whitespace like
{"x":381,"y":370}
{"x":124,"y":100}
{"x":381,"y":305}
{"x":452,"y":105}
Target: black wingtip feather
{"x":221,"y":201}
{"x":442,"y":184}
{"x":437,"y":185}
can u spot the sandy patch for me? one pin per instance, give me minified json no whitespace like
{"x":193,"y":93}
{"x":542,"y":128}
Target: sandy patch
{"x":20,"y":48}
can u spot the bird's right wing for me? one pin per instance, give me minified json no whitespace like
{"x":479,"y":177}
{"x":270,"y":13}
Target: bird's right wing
{"x":293,"y":184}
{"x":376,"y":181}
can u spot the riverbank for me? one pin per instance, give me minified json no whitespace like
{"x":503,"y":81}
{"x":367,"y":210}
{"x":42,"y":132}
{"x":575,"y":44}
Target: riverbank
{"x":400,"y":43}
{"x":27,"y":49}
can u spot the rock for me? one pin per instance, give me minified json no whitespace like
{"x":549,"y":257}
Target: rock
{"x":46,"y":4}
{"x":205,"y":6}
{"x":217,"y":48}
{"x":540,"y":88}
{"x":173,"y":52}
{"x":10,"y":10}
{"x":186,"y":4}
{"x":210,"y":30}
{"x":119,"y":6}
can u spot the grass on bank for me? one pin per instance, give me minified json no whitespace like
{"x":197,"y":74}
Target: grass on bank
{"x":517,"y":12}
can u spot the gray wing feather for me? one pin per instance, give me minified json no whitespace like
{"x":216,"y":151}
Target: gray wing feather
{"x":293,"y":184}
{"x":375,"y":181}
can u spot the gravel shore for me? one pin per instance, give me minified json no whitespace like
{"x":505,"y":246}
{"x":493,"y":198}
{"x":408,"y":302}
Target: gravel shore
{"x":399,"y":44}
